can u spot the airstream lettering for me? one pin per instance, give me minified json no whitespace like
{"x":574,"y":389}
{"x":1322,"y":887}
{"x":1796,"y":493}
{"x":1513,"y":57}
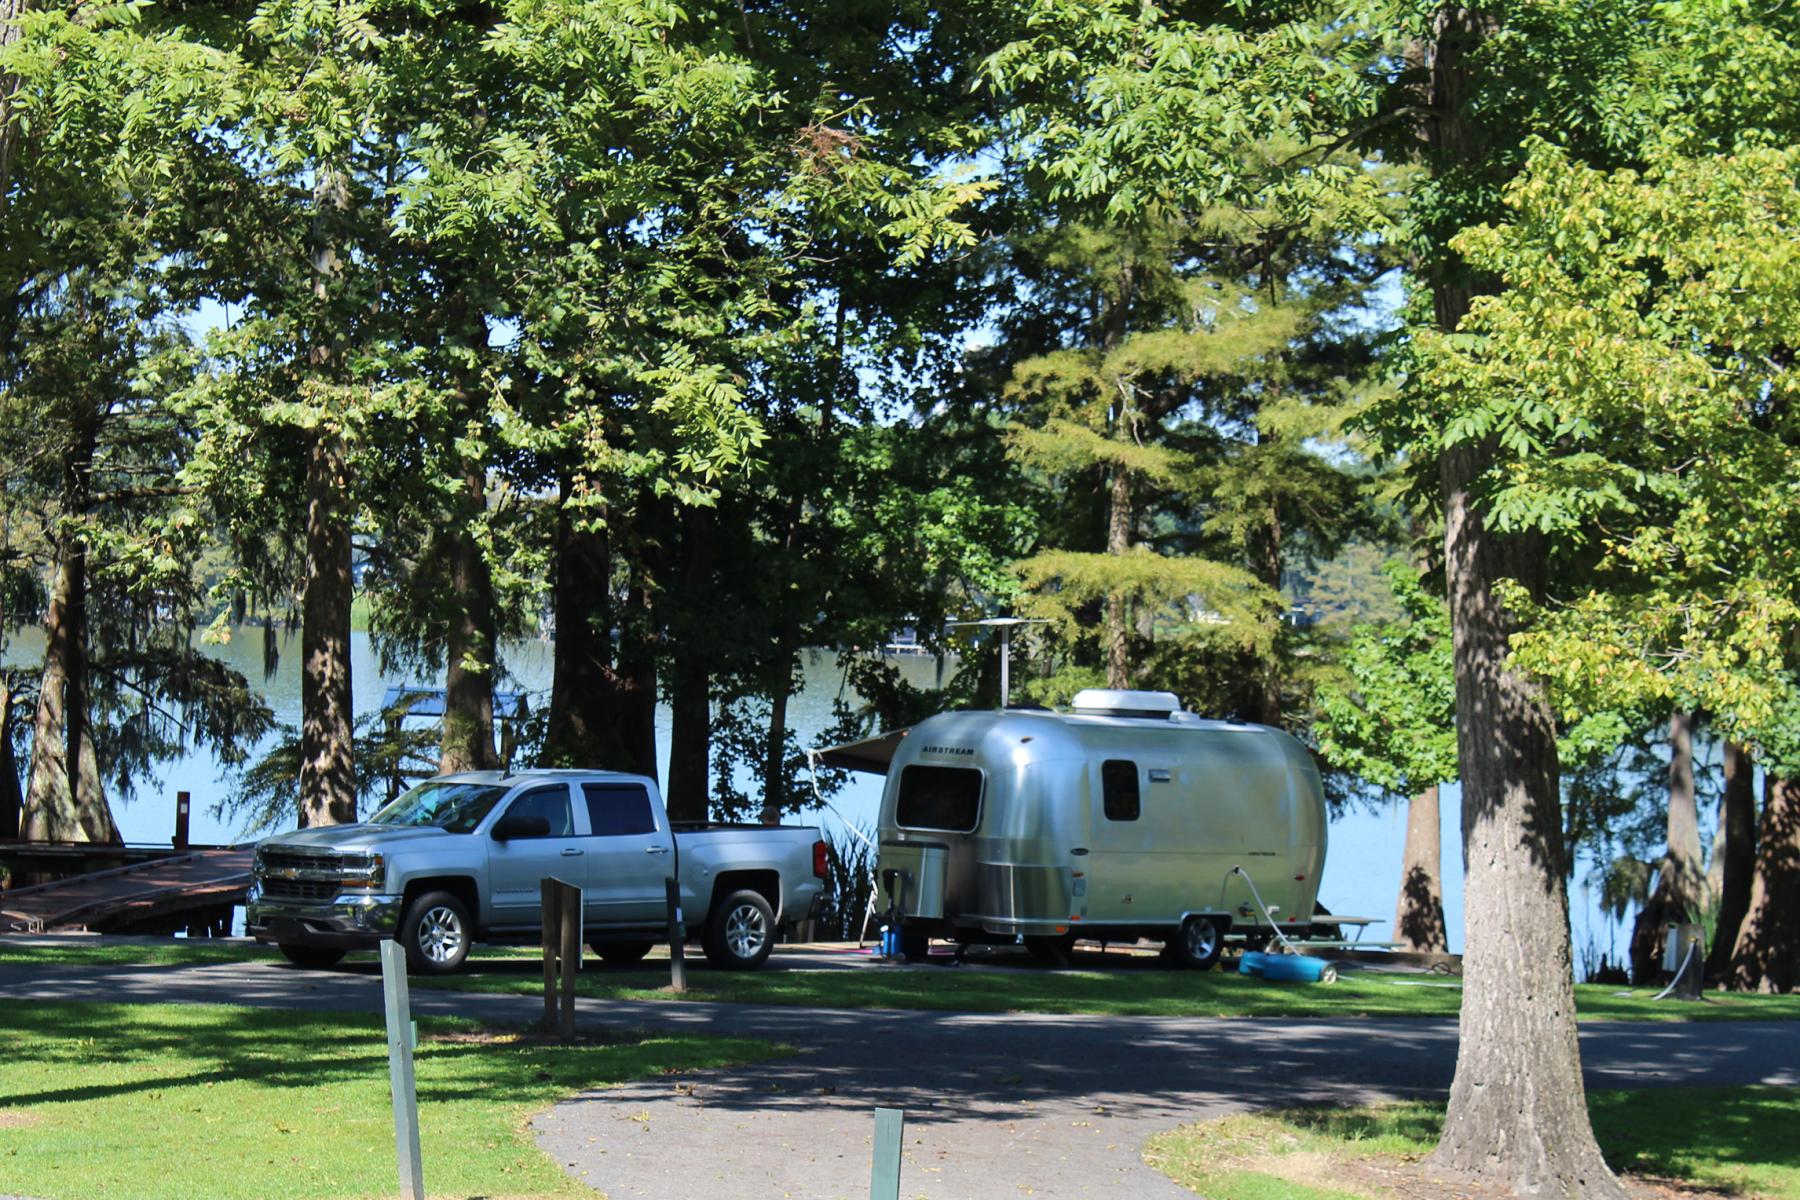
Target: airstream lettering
{"x":1120,"y":820}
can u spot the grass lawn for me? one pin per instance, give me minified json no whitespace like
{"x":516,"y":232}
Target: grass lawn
{"x":1733,"y":1140}
{"x":1124,"y":990}
{"x":161,"y":952}
{"x":124,"y":1101}
{"x":1125,"y":987}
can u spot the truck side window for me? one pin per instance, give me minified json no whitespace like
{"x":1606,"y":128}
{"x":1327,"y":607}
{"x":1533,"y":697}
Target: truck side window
{"x":550,"y":803}
{"x":618,"y":809}
{"x":1119,"y":789}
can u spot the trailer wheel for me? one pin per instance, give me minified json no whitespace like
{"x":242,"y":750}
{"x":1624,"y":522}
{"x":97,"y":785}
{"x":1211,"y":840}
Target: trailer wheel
{"x":315,"y":958}
{"x":740,"y":932}
{"x":1197,"y":944}
{"x":914,"y":945}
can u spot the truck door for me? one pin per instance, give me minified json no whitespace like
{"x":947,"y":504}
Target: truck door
{"x":628,"y":856}
{"x":518,"y":866}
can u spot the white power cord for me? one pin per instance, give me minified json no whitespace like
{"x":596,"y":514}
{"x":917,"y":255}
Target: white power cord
{"x":1267,"y":915}
{"x":812,"y":778}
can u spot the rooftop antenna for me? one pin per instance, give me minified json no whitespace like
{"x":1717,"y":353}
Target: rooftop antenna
{"x":1005,"y":626}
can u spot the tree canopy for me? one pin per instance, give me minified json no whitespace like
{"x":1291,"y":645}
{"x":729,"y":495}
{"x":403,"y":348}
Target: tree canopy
{"x":698,"y":339}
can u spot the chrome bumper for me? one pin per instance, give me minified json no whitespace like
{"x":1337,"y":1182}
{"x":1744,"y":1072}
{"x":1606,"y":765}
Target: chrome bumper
{"x":350,"y":920}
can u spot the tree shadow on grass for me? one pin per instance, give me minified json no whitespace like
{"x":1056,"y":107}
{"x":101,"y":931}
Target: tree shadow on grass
{"x":1670,"y":1131}
{"x":205,"y":1045}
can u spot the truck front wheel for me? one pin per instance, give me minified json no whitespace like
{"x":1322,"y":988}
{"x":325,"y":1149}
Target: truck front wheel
{"x":435,"y":933}
{"x":740,"y":931}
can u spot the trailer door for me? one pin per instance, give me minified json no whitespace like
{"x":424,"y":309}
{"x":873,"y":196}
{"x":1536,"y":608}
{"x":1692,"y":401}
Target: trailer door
{"x":1120,"y":846}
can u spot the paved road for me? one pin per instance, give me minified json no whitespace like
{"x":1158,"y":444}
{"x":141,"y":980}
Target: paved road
{"x":998,"y":1105}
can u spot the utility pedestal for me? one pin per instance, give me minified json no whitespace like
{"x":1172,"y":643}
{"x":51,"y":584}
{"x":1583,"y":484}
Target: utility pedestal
{"x":1684,"y":955}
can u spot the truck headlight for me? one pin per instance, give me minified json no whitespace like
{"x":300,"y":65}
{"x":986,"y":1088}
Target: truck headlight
{"x":367,"y":875}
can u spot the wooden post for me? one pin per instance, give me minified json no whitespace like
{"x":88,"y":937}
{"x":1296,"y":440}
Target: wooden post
{"x":677,"y":949}
{"x":884,"y":1176}
{"x":548,"y":897}
{"x":561,"y":904}
{"x":570,"y":904}
{"x":181,"y":821}
{"x":401,"y":1036}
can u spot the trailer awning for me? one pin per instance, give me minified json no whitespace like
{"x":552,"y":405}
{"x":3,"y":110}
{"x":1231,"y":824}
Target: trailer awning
{"x":874,"y":755}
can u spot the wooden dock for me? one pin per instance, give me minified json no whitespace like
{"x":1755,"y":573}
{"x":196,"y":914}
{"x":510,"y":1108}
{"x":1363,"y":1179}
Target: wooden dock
{"x":158,"y":895}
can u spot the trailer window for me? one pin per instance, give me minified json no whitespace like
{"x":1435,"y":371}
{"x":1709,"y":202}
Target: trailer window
{"x":947,"y":798}
{"x":1119,"y":789}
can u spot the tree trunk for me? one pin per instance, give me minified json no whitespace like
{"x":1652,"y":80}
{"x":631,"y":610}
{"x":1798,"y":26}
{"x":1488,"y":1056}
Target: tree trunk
{"x":1265,"y":564}
{"x":775,"y":797}
{"x":12,"y":800}
{"x":637,"y":681}
{"x":49,"y":812}
{"x":1734,"y":854}
{"x":468,"y":736}
{"x":10,"y":12}
{"x":1119,"y":515}
{"x":584,"y":724}
{"x":1118,"y":606}
{"x":689,"y":793}
{"x":1518,"y":1110}
{"x":1680,"y":892}
{"x":327,"y":709}
{"x":327,"y":723}
{"x":1419,"y":913}
{"x":64,"y":801}
{"x":690,"y":737}
{"x":1517,"y":1114}
{"x":1766,"y":957}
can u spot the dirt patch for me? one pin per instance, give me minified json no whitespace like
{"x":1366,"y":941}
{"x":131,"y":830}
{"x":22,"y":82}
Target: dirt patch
{"x":18,"y":1120}
{"x":1379,"y":1177}
{"x":527,"y":1037}
{"x":475,"y":1037}
{"x":1271,"y":1146}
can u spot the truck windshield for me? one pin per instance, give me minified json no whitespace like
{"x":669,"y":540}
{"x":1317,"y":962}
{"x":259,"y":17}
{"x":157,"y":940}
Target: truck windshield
{"x":455,"y":807}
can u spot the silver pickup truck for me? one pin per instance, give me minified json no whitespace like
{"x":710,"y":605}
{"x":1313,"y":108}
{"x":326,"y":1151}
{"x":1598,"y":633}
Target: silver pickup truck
{"x":460,"y":859}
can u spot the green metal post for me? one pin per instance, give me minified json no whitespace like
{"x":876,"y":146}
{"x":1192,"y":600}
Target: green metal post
{"x":884,"y":1177}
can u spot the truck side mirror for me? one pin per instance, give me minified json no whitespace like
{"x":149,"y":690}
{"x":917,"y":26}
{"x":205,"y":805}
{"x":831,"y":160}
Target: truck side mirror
{"x":509,"y":827}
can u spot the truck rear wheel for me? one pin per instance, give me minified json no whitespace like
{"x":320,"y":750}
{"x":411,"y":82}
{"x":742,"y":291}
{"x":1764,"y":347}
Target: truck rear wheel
{"x":1196,"y":944}
{"x":315,"y":958}
{"x":435,"y":933}
{"x":740,"y":931}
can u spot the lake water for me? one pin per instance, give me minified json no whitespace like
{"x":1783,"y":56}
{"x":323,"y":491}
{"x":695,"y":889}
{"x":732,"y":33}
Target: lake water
{"x":1362,"y":868}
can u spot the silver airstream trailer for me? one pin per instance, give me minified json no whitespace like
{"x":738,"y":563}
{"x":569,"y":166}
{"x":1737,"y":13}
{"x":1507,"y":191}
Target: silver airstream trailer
{"x":1126,"y":818}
